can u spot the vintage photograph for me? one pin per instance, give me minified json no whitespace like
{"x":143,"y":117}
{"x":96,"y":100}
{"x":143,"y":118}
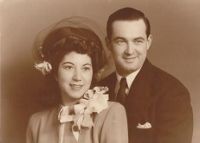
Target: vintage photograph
{"x":99,"y":71}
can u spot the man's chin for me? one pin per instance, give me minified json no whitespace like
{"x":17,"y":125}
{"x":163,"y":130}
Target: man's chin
{"x":130,"y":67}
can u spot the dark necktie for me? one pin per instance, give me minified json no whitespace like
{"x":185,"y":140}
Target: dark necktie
{"x":121,"y":95}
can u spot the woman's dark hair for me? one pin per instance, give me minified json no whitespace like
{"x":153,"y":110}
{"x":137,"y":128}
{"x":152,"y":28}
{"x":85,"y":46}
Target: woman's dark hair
{"x":67,"y":39}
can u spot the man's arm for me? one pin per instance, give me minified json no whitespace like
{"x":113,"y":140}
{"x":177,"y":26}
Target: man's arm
{"x":174,"y":117}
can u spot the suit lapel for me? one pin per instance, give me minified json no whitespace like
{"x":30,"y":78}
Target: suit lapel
{"x":139,"y":98}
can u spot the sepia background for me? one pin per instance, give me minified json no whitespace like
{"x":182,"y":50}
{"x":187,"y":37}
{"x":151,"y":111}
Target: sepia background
{"x":176,"y":49}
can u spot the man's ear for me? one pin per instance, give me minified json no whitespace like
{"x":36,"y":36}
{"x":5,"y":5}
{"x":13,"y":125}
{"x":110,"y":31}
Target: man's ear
{"x":108,"y":43}
{"x":149,"y":41}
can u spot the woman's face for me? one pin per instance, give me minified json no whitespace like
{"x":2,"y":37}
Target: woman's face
{"x":74,"y":76}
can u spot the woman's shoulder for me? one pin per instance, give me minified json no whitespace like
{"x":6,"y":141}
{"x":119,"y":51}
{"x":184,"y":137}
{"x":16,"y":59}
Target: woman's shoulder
{"x":115,"y":106}
{"x":43,"y":115}
{"x":112,"y":117}
{"x":113,"y":109}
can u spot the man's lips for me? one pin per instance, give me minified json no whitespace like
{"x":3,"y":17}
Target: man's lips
{"x":129,"y":58}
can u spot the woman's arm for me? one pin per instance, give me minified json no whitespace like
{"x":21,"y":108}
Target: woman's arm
{"x":29,"y":133}
{"x":114,"y":128}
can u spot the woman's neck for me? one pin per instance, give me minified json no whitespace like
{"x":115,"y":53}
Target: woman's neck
{"x":67,"y":101}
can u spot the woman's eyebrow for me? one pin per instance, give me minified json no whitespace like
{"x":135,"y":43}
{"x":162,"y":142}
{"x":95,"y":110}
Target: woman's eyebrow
{"x":64,"y":63}
{"x":87,"y":64}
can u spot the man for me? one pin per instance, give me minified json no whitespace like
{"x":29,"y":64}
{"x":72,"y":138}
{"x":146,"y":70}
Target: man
{"x":158,"y":105}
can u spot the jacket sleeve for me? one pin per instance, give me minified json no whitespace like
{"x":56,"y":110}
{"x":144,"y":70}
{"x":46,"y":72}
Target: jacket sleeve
{"x":174,"y":118}
{"x":114,"y":129}
{"x":32,"y":129}
{"x":29,"y":133}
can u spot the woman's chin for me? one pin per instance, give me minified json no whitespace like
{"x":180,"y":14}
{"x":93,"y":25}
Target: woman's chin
{"x":71,"y":99}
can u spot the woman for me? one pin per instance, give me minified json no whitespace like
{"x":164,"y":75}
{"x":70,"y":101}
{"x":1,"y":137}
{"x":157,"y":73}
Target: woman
{"x":72,"y":56}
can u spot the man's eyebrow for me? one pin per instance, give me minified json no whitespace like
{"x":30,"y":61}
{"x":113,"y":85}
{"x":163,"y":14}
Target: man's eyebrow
{"x":139,"y":38}
{"x":118,"y":38}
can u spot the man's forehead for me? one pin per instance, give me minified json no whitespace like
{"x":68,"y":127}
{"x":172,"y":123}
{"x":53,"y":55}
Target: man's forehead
{"x":128,"y":22}
{"x":127,"y":27}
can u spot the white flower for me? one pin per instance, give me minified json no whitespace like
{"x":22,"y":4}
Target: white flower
{"x":44,"y":67}
{"x":94,"y":101}
{"x":146,"y":125}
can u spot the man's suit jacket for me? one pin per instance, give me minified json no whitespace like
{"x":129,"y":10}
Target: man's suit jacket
{"x":157,"y":98}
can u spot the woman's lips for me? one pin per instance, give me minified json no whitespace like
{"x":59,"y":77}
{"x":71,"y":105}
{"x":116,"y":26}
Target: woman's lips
{"x":76,"y":86}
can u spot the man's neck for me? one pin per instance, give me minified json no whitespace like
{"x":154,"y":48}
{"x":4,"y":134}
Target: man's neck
{"x":129,"y":77}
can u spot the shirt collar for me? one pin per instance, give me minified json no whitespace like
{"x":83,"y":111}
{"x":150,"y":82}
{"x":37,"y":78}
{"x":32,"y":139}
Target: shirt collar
{"x":129,"y":78}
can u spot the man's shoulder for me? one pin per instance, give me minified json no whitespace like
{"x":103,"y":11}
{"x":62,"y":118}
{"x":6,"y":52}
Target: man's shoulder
{"x":164,"y":78}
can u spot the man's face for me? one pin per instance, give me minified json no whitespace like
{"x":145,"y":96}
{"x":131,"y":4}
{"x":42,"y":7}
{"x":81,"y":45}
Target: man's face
{"x":129,"y":44}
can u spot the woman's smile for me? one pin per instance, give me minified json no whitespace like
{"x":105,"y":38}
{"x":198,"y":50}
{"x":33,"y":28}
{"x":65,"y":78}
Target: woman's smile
{"x":75,"y":86}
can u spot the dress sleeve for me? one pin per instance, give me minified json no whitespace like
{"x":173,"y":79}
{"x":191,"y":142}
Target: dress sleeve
{"x":114,"y":129}
{"x":31,"y":130}
{"x":29,"y":137}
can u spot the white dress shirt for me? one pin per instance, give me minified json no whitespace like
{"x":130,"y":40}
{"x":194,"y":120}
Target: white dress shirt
{"x":129,"y":79}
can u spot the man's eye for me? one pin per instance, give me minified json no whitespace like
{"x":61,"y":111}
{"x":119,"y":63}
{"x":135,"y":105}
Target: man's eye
{"x":119,"y":41}
{"x":139,"y":41}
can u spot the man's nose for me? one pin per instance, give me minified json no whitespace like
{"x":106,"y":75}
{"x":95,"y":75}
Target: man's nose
{"x":129,"y":48}
{"x":77,"y":75}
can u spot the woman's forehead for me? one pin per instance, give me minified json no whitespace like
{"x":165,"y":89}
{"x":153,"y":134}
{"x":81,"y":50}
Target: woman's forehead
{"x":76,"y":58}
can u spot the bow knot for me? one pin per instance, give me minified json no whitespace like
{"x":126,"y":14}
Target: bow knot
{"x":67,"y":113}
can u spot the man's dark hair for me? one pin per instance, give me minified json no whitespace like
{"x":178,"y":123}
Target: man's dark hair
{"x":127,"y":14}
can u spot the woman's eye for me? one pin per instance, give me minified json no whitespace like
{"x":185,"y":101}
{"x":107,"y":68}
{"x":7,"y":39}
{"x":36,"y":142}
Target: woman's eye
{"x":67,"y":67}
{"x":86,"y":68}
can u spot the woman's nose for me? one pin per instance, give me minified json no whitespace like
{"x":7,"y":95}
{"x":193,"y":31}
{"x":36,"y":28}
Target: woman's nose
{"x":77,"y":75}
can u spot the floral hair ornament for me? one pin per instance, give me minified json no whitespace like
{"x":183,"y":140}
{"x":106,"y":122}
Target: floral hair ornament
{"x":44,"y":67}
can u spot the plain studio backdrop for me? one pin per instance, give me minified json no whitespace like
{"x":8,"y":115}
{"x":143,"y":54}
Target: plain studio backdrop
{"x":175,"y":28}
